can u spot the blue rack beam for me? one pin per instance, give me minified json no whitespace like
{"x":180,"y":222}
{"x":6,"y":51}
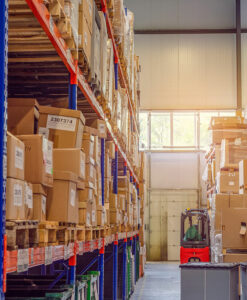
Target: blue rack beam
{"x":101,"y":269}
{"x":3,"y":138}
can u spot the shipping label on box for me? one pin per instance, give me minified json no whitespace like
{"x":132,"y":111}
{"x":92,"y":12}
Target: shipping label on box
{"x":61,"y":123}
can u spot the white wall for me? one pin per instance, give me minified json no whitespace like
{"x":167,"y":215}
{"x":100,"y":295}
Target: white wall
{"x":187,"y":71}
{"x":183,"y":14}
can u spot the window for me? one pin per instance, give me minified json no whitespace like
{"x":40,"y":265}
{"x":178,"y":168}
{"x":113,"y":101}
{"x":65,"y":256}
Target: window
{"x":177,"y":130}
{"x":184,"y":130}
{"x":160,"y":130}
{"x":143,"y":119}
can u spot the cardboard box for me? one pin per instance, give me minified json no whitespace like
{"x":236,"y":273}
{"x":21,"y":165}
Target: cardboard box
{"x":113,"y":201}
{"x":90,"y":172}
{"x":234,"y":257}
{"x":62,"y":202}
{"x":88,"y":145}
{"x":100,"y":125}
{"x":15,"y":157}
{"x":23,"y":116}
{"x":110,"y":147}
{"x":100,"y":217}
{"x":219,"y":134}
{"x":228,"y":182}
{"x":122,"y":201}
{"x":86,"y":7}
{"x":243,"y":173}
{"x":91,"y":130}
{"x":122,"y":182}
{"x":38,"y":159}
{"x":108,"y":166}
{"x":232,"y":152}
{"x":93,"y":213}
{"x":72,"y":160}
{"x":226,"y":122}
{"x":85,"y":39}
{"x":39,"y":202}
{"x":86,"y":195}
{"x":28,"y":201}
{"x":234,"y":233}
{"x":114,"y":216}
{"x":62,"y":126}
{"x":15,"y":194}
{"x":85,"y":213}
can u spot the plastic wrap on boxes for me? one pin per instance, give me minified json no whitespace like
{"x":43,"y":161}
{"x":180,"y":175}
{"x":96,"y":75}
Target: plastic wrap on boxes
{"x":109,"y":74}
{"x":232,"y":152}
{"x":103,"y":54}
{"x":71,"y":9}
{"x":118,"y":20}
{"x":95,"y":50}
{"x":124,"y":108}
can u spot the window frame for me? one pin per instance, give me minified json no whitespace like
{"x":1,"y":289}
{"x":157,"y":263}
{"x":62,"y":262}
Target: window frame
{"x":197,"y":129}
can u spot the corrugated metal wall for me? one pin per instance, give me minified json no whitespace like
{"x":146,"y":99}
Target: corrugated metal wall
{"x":187,"y":71}
{"x":182,"y":14}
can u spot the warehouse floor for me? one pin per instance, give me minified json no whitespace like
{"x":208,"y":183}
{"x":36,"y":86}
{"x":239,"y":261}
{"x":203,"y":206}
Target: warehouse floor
{"x":161,"y":281}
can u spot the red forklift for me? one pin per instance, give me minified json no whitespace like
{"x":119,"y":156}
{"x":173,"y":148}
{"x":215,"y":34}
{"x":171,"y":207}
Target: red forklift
{"x":195,"y":236}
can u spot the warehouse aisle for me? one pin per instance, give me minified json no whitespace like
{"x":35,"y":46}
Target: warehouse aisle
{"x":161,"y":281}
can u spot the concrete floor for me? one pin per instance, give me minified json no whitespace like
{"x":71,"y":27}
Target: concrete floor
{"x":161,"y":281}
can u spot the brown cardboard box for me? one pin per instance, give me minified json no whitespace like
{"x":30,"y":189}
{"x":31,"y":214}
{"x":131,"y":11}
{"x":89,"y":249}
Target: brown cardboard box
{"x":100,"y":125}
{"x":15,"y":157}
{"x":234,"y":233}
{"x":63,"y":126}
{"x":28,"y":201}
{"x":122,"y":201}
{"x":39,"y":202}
{"x":100,"y":217}
{"x":86,"y":7}
{"x":234,"y":257}
{"x":219,"y":134}
{"x":226,"y":122}
{"x":85,"y":213}
{"x":23,"y":116}
{"x":88,"y":145}
{"x":62,"y":202}
{"x":38,"y":159}
{"x":114,"y":216}
{"x":110,"y":147}
{"x":232,"y":152}
{"x":86,"y":195}
{"x":15,"y":199}
{"x":94,"y":213}
{"x":122,"y":181}
{"x":107,"y":166}
{"x":113,"y":201}
{"x":91,"y":131}
{"x":90,"y":172}
{"x":72,"y":160}
{"x":228,"y":182}
{"x":243,"y":173}
{"x":85,"y":38}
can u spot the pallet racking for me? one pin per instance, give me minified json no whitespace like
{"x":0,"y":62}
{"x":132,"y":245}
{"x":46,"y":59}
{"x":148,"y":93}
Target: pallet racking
{"x":43,"y":260}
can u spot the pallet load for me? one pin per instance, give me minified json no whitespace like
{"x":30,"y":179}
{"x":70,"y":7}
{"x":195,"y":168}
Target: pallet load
{"x":226,"y":197}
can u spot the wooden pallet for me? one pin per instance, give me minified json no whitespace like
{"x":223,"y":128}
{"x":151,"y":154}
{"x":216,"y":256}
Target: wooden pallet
{"x":21,"y":234}
{"x":88,"y":233}
{"x":80,"y":233}
{"x":66,"y":233}
{"x":48,"y":233}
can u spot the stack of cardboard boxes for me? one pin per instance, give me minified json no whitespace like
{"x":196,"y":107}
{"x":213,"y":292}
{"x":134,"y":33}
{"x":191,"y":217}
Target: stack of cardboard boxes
{"x":227,"y":202}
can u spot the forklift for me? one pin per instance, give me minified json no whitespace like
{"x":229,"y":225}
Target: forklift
{"x":195,"y":236}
